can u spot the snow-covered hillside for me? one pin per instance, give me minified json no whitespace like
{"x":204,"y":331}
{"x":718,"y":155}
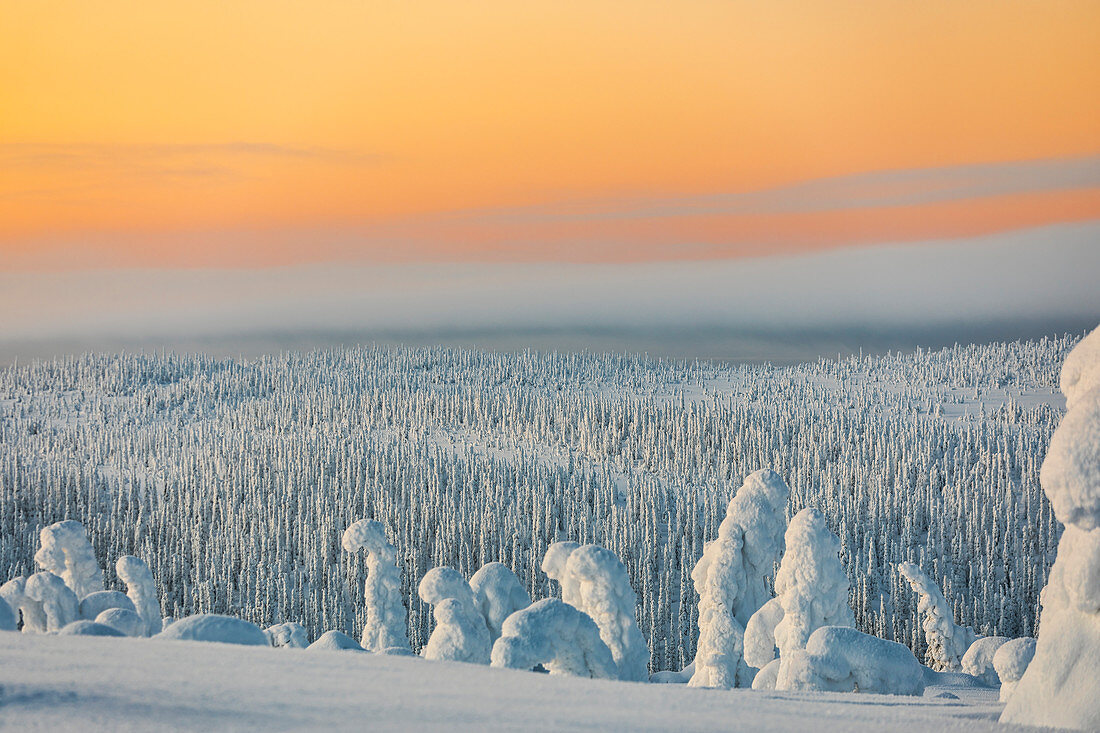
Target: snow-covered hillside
{"x":52,"y":683}
{"x":235,"y":479}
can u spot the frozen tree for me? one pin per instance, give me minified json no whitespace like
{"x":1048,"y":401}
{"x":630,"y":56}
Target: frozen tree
{"x":1060,"y":687}
{"x":96,"y":603}
{"x":66,"y":552}
{"x":556,"y":636}
{"x":499,"y":594}
{"x":123,"y":620}
{"x":978,"y":660}
{"x":9,"y":621}
{"x":217,"y":628}
{"x":555,"y":565}
{"x":141,"y":590}
{"x":604,"y":593}
{"x":730,"y":578}
{"x":335,"y":641}
{"x":841,"y":659}
{"x":460,"y":633}
{"x":291,"y":635}
{"x":760,"y":648}
{"x":947,"y":641}
{"x":33,"y":616}
{"x":385,"y":625}
{"x":811,"y":586}
{"x":58,"y":600}
{"x":1011,"y":661}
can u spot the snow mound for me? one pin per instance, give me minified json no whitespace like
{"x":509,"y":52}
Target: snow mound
{"x":767,"y":677}
{"x":84,"y":627}
{"x":66,"y":552}
{"x":385,"y":625}
{"x":498,"y":594}
{"x":14,"y":593}
{"x":122,"y":620}
{"x":8,"y":619}
{"x":811,"y":586}
{"x":335,"y":641}
{"x":730,"y":578}
{"x":58,"y":601}
{"x":142,"y":591}
{"x":1011,"y":661}
{"x":96,"y":603}
{"x":978,"y":660}
{"x":841,"y":659}
{"x":760,"y":648}
{"x":290,"y":634}
{"x":947,"y":642}
{"x":557,"y":636}
{"x":460,"y":634}
{"x":215,"y":628}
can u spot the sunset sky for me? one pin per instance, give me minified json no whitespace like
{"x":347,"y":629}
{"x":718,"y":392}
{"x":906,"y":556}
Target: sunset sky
{"x":261,"y":134}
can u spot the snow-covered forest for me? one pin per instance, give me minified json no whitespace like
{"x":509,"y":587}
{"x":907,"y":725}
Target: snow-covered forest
{"x":236,"y":479}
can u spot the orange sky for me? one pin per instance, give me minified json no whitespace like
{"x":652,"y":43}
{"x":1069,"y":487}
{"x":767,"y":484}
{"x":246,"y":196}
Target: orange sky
{"x":221,"y":133}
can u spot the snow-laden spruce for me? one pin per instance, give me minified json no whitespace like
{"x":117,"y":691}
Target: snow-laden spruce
{"x":214,"y":627}
{"x":29,"y":611}
{"x":841,"y":659}
{"x":556,"y":636}
{"x":58,"y":602}
{"x":1060,"y":687}
{"x":385,"y":624}
{"x":142,"y":591}
{"x":604,"y":594}
{"x":65,"y":551}
{"x":1011,"y":661}
{"x":555,"y":563}
{"x":290,"y":634}
{"x":811,"y":586}
{"x":731,"y":576}
{"x":460,"y":633}
{"x":760,"y":649}
{"x":947,"y":641}
{"x":978,"y":660}
{"x":499,"y":594}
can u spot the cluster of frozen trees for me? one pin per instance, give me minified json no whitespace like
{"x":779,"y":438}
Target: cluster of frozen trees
{"x":235,"y":479}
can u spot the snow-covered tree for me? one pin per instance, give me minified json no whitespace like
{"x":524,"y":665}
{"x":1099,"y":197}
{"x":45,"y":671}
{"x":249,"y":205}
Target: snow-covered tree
{"x":289,"y":634}
{"x":57,"y":599}
{"x":811,"y":586}
{"x":555,"y":564}
{"x":26,"y":608}
{"x":460,"y":633}
{"x":1011,"y":661}
{"x":499,"y":594}
{"x":556,"y":636}
{"x":96,"y":603}
{"x":385,"y":625}
{"x":947,"y":641}
{"x":760,"y":650}
{"x":841,"y":659}
{"x":731,"y":576}
{"x":65,"y":551}
{"x":978,"y":660}
{"x":1060,"y":687}
{"x":123,"y":620}
{"x":141,"y":590}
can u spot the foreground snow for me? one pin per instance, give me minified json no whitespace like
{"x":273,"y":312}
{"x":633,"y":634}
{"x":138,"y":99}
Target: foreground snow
{"x":66,"y":683}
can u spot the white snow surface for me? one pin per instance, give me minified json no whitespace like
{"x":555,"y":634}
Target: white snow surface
{"x":63,"y":683}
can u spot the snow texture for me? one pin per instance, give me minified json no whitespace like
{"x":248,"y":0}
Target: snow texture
{"x":811,"y":586}
{"x":335,"y":641}
{"x":215,"y":628}
{"x":841,"y":659}
{"x":96,"y":603}
{"x":290,"y":634}
{"x":385,"y":624}
{"x":760,"y":648}
{"x":554,"y":564}
{"x":766,"y":678}
{"x":142,"y":591}
{"x":499,"y":594}
{"x":978,"y":660}
{"x":58,"y":601}
{"x":557,"y":636}
{"x":14,"y":592}
{"x":1060,"y":686}
{"x":84,"y":627}
{"x":460,"y":633}
{"x":1011,"y":661}
{"x":730,"y":578}
{"x":66,"y":552}
{"x":123,"y":620}
{"x":947,"y":642}
{"x":605,"y":595}
{"x":9,"y":621}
